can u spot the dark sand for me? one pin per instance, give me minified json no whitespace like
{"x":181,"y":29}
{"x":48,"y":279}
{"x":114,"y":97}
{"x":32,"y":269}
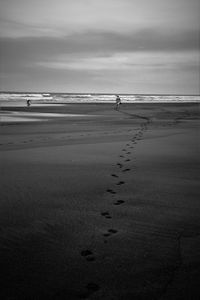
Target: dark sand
{"x":101,"y":207}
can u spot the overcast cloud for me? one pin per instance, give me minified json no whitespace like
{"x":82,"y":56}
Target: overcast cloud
{"x":127,"y":46}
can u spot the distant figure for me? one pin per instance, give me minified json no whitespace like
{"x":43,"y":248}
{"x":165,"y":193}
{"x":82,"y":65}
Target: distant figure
{"x":118,"y":102}
{"x":28,"y":102}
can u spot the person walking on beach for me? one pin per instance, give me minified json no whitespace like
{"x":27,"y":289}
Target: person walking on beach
{"x":28,"y":102}
{"x":117,"y":102}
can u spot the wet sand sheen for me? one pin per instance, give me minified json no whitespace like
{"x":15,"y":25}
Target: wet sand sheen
{"x":101,"y":207}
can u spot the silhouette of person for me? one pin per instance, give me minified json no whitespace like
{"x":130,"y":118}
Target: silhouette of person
{"x":117,"y":102}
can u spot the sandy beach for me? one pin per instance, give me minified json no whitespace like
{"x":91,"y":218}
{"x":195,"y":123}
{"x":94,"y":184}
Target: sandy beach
{"x":100,"y":204}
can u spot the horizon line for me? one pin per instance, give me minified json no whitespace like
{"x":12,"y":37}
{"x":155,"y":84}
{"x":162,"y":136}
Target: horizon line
{"x":96,"y":93}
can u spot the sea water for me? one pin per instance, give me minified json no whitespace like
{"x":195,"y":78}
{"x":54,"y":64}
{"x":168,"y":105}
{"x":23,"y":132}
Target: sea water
{"x":19,"y":99}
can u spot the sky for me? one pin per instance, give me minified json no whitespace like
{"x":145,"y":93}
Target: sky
{"x":107,"y":46}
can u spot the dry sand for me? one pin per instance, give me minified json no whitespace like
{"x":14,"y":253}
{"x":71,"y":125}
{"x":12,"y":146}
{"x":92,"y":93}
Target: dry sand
{"x":104,"y":206}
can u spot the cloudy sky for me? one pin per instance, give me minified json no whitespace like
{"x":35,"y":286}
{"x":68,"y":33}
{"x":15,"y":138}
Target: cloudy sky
{"x":116,"y":46}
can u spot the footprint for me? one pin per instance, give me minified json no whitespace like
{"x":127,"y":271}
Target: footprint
{"x":111,"y":191}
{"x":91,"y":288}
{"x":120,"y":165}
{"x":88,"y":255}
{"x":86,"y":252}
{"x":119,"y":202}
{"x":127,"y":159}
{"x":106,"y":234}
{"x":114,"y":175}
{"x":120,"y":183}
{"x":121,"y":156}
{"x":126,"y":170}
{"x":110,"y":232}
{"x":106,"y":215}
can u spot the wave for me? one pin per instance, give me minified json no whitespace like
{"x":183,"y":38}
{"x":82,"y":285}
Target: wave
{"x":93,"y":98}
{"x":23,"y":96}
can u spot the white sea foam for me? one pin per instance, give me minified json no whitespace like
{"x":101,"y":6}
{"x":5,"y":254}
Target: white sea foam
{"x":24,"y":96}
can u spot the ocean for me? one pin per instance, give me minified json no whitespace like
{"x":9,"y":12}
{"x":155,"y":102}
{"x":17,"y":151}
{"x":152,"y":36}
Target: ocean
{"x":19,"y":99}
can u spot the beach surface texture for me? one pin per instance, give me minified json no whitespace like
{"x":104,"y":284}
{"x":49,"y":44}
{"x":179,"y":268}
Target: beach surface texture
{"x":100,"y":204}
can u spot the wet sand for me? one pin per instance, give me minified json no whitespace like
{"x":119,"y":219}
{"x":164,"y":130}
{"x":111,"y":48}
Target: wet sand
{"x":104,"y":206}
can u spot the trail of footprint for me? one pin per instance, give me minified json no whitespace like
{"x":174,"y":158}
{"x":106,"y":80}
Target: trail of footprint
{"x":88,"y":255}
{"x":129,"y":146}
